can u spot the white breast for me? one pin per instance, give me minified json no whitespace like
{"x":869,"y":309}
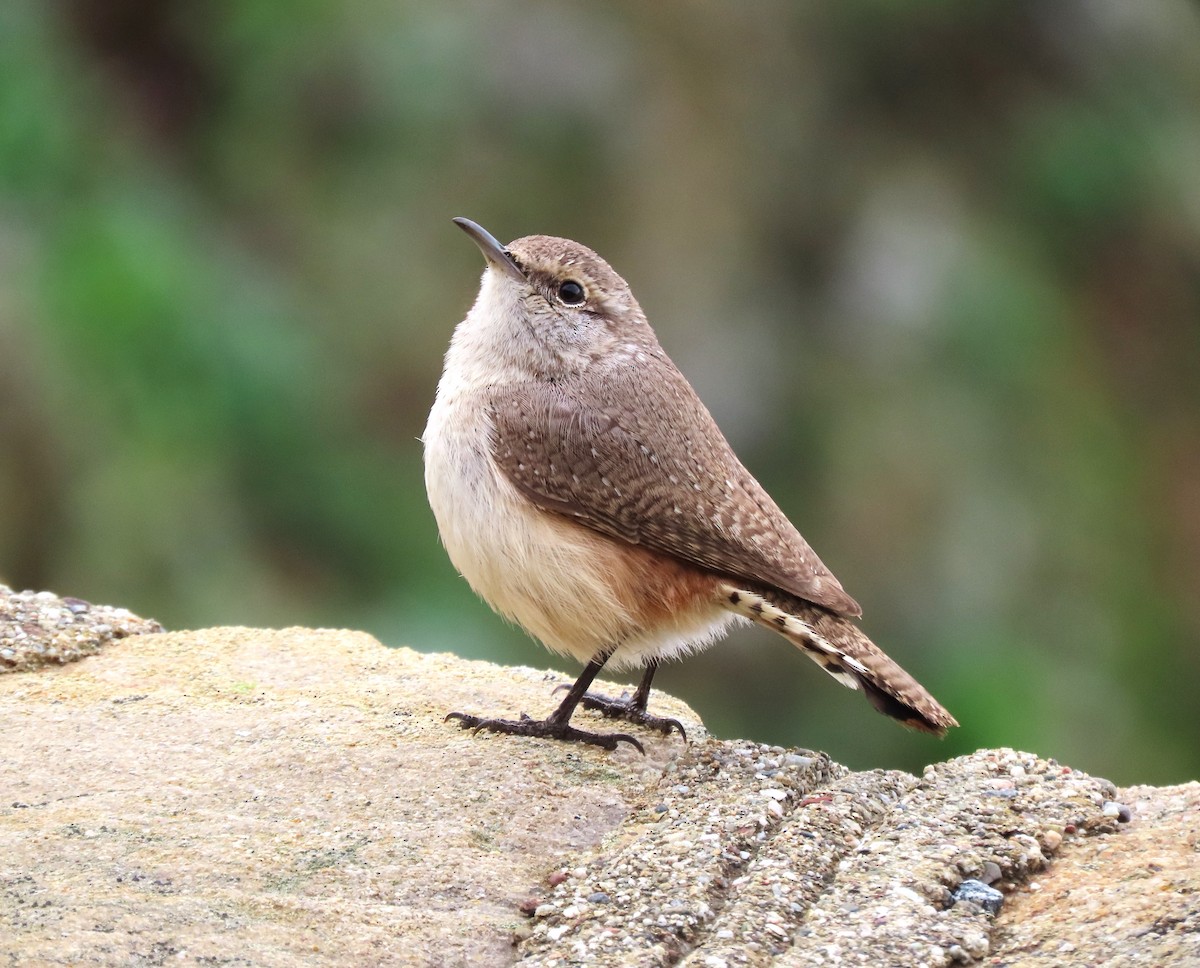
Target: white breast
{"x":555,"y":578}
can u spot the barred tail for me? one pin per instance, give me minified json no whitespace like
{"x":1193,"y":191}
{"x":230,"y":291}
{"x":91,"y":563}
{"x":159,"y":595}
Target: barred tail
{"x":839,"y":647}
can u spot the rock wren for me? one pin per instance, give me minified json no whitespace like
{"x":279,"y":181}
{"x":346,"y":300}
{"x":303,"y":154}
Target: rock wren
{"x":584,"y":492}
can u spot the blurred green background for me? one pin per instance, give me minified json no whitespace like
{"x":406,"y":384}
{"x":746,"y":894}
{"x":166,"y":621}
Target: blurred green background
{"x":934,"y":267}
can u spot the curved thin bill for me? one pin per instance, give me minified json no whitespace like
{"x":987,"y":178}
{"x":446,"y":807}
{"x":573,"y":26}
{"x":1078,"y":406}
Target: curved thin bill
{"x":496,"y":255}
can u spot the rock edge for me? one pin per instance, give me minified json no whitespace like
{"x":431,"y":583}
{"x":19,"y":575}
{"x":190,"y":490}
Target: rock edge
{"x":251,"y":797}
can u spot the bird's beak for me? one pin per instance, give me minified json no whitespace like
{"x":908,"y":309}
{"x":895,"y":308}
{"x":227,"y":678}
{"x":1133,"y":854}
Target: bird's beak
{"x":496,"y":255}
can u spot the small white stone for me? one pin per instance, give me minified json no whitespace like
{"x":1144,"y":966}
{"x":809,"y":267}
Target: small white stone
{"x":911,"y":895}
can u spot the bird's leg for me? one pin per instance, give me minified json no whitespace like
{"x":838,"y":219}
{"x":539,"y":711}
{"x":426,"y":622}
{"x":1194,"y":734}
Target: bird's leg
{"x":633,"y":708}
{"x":558,"y":724}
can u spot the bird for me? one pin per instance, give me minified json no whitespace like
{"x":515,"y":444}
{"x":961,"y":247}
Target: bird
{"x":583,"y":490}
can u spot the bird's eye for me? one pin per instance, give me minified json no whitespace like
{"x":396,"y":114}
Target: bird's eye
{"x":570,"y":293}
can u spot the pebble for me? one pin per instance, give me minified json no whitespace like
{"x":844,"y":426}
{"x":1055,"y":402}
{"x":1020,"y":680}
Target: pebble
{"x":556,"y":878}
{"x":1117,"y":811}
{"x":991,"y":872}
{"x":979,"y":893}
{"x":599,"y":897}
{"x":909,"y":894}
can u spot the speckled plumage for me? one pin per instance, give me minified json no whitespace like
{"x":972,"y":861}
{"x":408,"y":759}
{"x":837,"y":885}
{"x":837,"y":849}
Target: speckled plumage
{"x":585,"y":492}
{"x":628,"y":449}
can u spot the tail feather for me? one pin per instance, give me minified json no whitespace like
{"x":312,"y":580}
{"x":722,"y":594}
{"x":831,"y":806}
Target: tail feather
{"x":841,"y":649}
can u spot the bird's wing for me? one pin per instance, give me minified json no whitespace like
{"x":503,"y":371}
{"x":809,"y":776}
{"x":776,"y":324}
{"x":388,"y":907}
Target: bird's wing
{"x":632,"y":453}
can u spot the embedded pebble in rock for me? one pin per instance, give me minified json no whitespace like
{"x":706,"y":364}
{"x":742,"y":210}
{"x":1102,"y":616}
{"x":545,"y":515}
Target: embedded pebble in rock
{"x":1117,"y":811}
{"x":39,"y":628}
{"x":977,"y":892}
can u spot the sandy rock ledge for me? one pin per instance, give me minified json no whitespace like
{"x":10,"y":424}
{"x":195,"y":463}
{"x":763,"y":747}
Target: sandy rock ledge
{"x":248,"y":797}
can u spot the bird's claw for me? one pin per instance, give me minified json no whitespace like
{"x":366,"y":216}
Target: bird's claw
{"x":545,"y":729}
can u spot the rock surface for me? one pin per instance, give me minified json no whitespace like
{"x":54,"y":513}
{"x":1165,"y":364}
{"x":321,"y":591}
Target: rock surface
{"x":1126,"y":898}
{"x":248,"y":797}
{"x":39,"y":628}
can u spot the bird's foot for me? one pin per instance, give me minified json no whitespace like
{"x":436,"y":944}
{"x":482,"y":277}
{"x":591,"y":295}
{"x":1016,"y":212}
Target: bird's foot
{"x":545,"y":729}
{"x":628,"y":709}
